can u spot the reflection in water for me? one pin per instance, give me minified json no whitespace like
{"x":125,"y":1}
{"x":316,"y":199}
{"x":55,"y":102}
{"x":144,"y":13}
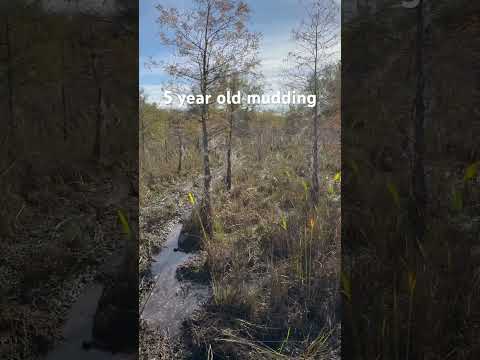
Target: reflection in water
{"x":171,"y":301}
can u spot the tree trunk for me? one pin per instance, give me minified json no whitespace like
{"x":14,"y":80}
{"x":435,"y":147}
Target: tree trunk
{"x":315,"y":169}
{"x":165,"y":146}
{"x":228,"y":176}
{"x":11,"y":109}
{"x":64,"y":100}
{"x":207,"y":175}
{"x":142,"y":140}
{"x":10,"y":132}
{"x":97,"y":146}
{"x":99,"y":126}
{"x":422,"y":115}
{"x":259,"y":146}
{"x":180,"y":154}
{"x":207,"y":207}
{"x":315,"y":182}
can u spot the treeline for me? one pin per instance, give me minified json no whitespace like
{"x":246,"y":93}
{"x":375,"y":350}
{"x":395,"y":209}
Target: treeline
{"x":170,"y":139}
{"x":66,"y":92}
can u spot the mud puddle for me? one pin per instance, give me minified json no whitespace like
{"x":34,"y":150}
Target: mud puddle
{"x":171,"y":301}
{"x":78,"y":330}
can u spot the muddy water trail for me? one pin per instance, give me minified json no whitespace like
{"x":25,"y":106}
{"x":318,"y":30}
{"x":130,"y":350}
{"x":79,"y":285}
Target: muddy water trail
{"x":171,"y":301}
{"x":78,"y":329}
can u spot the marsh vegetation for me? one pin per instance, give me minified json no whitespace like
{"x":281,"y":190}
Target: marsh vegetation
{"x":262,"y":188}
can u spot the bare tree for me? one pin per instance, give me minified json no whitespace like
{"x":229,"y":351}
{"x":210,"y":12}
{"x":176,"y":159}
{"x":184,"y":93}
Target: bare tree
{"x":422,"y":116}
{"x":99,"y":110}
{"x":8,"y":43}
{"x":63,"y":91}
{"x":243,"y":81}
{"x":142,"y":99}
{"x":316,"y":39}
{"x":231,"y":113}
{"x":206,"y":40}
{"x":11,"y":125}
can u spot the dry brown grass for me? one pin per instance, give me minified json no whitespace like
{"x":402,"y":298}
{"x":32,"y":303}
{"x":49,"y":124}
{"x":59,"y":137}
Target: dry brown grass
{"x":55,"y":247}
{"x":274,"y":262}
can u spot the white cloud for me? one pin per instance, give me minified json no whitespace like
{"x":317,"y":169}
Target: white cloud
{"x":154,"y":93}
{"x":273,"y":54}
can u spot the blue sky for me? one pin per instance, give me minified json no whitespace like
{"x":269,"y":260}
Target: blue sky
{"x":275,"y":19}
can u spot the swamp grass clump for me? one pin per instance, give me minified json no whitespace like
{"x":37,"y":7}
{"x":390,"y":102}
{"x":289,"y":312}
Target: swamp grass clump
{"x":274,"y":263}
